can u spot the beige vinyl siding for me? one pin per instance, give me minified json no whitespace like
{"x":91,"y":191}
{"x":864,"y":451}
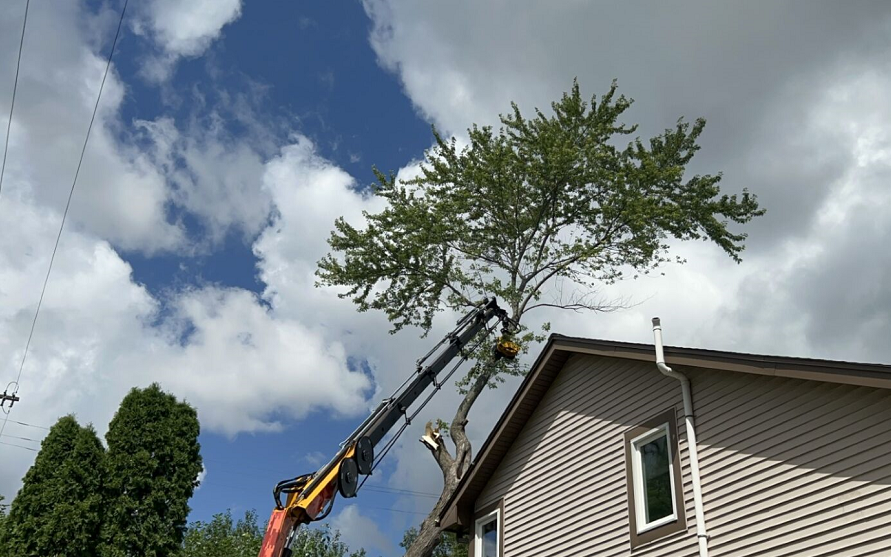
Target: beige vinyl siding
{"x":789,"y":467}
{"x":563,"y":480}
{"x":793,"y":467}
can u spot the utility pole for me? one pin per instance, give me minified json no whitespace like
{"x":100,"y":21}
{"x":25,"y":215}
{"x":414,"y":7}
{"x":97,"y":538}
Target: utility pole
{"x":11,"y":399}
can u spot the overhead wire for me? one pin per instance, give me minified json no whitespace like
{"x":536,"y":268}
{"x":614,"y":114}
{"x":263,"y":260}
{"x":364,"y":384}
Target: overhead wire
{"x":19,"y":446}
{"x":20,"y":438}
{"x":378,"y":488}
{"x":29,"y":425}
{"x":67,"y":205}
{"x":15,"y":86}
{"x":394,"y":510}
{"x":397,"y":491}
{"x":465,"y":354}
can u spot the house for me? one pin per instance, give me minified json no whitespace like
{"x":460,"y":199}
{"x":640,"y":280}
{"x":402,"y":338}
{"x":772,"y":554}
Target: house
{"x":591,"y":457}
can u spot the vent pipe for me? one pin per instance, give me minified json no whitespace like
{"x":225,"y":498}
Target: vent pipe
{"x":701,"y":532}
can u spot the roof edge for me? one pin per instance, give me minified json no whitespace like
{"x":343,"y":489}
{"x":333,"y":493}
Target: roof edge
{"x":832,"y":371}
{"x":853,"y":373}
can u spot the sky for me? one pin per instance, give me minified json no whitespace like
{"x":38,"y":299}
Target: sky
{"x":231,"y":134}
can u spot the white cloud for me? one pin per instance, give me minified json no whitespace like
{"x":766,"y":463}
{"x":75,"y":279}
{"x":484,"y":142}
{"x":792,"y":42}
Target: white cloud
{"x":124,"y":189}
{"x":201,"y":476}
{"x":120,"y":196}
{"x":245,"y":362}
{"x":188,"y":27}
{"x":796,"y":113}
{"x":237,"y":359}
{"x":211,"y":174}
{"x":360,"y":531}
{"x":181,"y":28}
{"x":817,"y":141}
{"x":242,"y":364}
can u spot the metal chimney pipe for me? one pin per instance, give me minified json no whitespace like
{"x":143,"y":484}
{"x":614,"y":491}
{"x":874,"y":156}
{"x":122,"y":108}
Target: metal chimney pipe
{"x":689,"y":421}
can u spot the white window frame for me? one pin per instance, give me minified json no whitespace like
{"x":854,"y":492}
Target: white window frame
{"x":637,"y":475}
{"x":477,"y":532}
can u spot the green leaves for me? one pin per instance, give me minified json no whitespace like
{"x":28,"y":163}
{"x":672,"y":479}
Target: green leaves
{"x":449,"y":545}
{"x":78,"y":500}
{"x":521,"y":211}
{"x":322,"y":542}
{"x":223,"y":537}
{"x":58,"y":511}
{"x":151,"y":469}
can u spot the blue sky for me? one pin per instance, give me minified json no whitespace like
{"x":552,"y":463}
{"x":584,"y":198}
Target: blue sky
{"x":300,"y":68}
{"x":232,"y":133}
{"x":319,"y":75}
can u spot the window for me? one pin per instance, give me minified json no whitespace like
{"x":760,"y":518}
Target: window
{"x":655,"y":498}
{"x":487,"y":534}
{"x":653,"y":486}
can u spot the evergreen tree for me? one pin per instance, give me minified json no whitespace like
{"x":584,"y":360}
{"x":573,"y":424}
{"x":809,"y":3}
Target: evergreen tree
{"x":3,"y":507}
{"x":59,"y":508}
{"x":152,"y":467}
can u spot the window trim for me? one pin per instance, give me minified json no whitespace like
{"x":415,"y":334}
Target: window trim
{"x":482,"y":517}
{"x":666,"y":423}
{"x":637,"y":477}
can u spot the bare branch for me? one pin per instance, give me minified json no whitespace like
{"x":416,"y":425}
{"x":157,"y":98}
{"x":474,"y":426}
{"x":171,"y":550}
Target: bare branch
{"x":535,"y":289}
{"x":580,"y":301}
{"x":579,"y":308}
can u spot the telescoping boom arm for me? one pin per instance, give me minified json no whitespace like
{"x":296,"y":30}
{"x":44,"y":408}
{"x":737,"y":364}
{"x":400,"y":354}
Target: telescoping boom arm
{"x":311,"y":496}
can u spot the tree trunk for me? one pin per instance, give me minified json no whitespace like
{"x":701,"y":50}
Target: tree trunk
{"x":430,"y":534}
{"x":453,"y":469}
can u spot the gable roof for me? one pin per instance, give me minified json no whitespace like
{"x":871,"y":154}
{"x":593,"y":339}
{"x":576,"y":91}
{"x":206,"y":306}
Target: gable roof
{"x":459,"y":508}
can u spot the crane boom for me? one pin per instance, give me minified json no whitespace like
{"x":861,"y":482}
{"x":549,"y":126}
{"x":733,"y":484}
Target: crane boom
{"x":311,"y":496}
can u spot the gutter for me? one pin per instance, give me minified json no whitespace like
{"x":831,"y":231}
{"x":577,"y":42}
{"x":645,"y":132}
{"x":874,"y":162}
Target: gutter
{"x":701,"y":533}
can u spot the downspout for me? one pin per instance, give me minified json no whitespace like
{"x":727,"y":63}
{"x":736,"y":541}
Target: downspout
{"x":701,"y":533}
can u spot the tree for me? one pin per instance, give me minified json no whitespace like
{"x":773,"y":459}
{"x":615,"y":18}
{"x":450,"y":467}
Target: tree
{"x":520,"y":214}
{"x":449,"y":544}
{"x":152,"y":466}
{"x":58,"y":511}
{"x":221,"y":537}
{"x":3,"y":506}
{"x":322,"y":542}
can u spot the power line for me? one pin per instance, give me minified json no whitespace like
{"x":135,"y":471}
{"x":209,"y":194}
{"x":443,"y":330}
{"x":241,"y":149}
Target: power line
{"x":19,"y":446}
{"x":68,"y":204}
{"x":22,"y":438}
{"x":393,"y":510}
{"x":29,"y":425}
{"x":359,"y":504}
{"x":15,"y":86}
{"x":240,"y":472}
{"x":408,"y":419}
{"x":397,"y":491}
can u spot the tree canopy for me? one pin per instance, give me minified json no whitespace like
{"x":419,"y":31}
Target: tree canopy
{"x":323,"y":542}
{"x":223,"y":537}
{"x":540,"y":213}
{"x":151,"y":468}
{"x":58,"y":510}
{"x":542,"y":198}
